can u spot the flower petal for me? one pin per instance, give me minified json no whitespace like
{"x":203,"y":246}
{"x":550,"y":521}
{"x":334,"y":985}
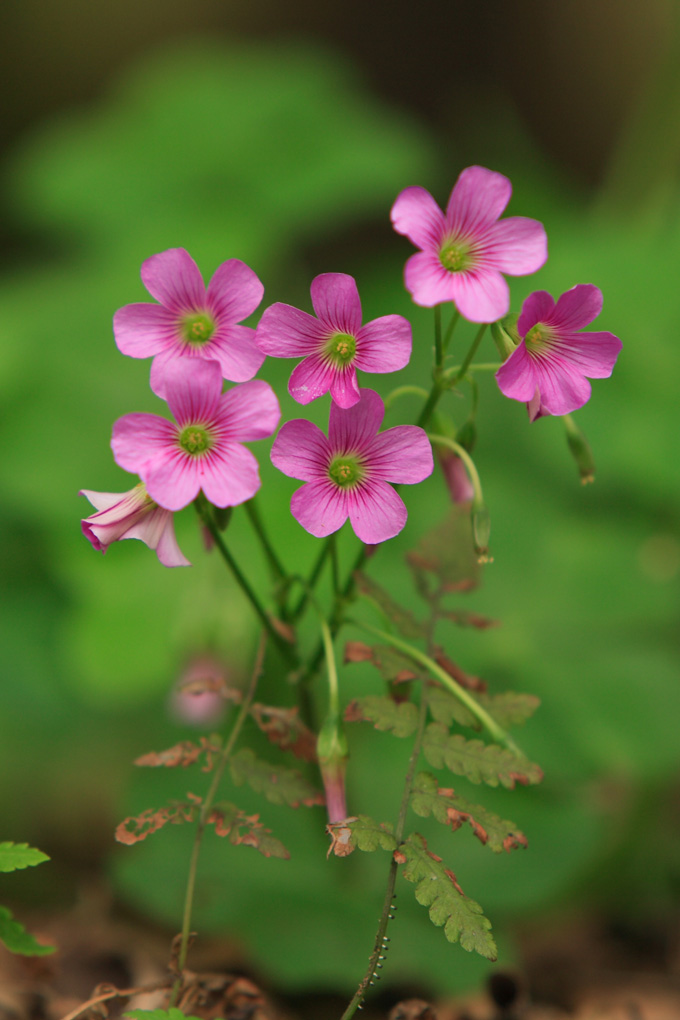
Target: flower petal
{"x":376,"y":512}
{"x":478,"y":198}
{"x":311,"y":379}
{"x":229,"y":475}
{"x":354,"y":428}
{"x":235,"y":350}
{"x":562,"y":387}
{"x":516,"y":245}
{"x":193,"y":387}
{"x":173,"y":481}
{"x":344,"y":387}
{"x":335,"y":300}
{"x":234,"y":291}
{"x":517,"y":377}
{"x":320,"y":507}
{"x":538,"y":307}
{"x":402,"y":454}
{"x":142,"y":330}
{"x":384,"y":344}
{"x":287,"y":332}
{"x":594,"y":354}
{"x":104,"y":500}
{"x":577,"y":307}
{"x":249,"y":411}
{"x":173,"y":278}
{"x":416,"y":214}
{"x":426,"y":279}
{"x":480,"y":296}
{"x":167,"y":549}
{"x":301,"y":450}
{"x":139,"y":439}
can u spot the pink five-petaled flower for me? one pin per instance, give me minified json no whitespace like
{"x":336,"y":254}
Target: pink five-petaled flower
{"x":347,"y":474}
{"x":549,"y":367}
{"x":335,"y":344}
{"x":192,"y":321}
{"x":463,"y":252}
{"x":132,"y":514}
{"x":203,"y":450}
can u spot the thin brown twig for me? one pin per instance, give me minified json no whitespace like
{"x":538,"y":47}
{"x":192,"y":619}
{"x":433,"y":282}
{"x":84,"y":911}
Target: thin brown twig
{"x":118,"y":993}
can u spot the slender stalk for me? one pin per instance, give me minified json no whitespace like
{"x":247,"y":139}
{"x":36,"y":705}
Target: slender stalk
{"x":438,"y":345}
{"x":481,"y":366}
{"x":206,"y":808}
{"x":335,"y":567}
{"x":438,"y":388}
{"x":470,"y":354}
{"x":404,"y":391}
{"x":455,"y":318}
{"x":278,"y":571}
{"x":451,"y":444}
{"x":310,"y":584}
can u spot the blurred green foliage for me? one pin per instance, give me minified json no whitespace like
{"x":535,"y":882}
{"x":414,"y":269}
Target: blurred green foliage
{"x":278,"y":156}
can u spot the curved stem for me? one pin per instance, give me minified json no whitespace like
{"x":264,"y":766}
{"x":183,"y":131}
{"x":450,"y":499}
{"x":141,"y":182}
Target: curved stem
{"x":461,"y":452}
{"x":278,"y":571}
{"x":403,"y":391}
{"x":310,"y":584}
{"x":470,"y":354}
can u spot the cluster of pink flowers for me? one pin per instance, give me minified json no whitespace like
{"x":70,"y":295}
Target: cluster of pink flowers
{"x":196,"y":338}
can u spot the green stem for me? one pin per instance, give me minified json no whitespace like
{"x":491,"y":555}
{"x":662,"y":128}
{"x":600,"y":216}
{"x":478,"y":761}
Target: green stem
{"x":333,"y":686}
{"x":335,"y":567}
{"x":461,"y":452}
{"x":438,"y":346}
{"x":435,"y":393}
{"x":310,"y":584}
{"x":455,"y":318}
{"x":496,"y":732}
{"x":278,"y":571}
{"x":470,"y":354}
{"x":403,"y":391}
{"x":206,"y":808}
{"x":481,"y":366}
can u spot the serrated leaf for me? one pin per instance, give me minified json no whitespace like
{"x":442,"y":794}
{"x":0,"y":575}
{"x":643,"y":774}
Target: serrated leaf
{"x":446,"y":708}
{"x":449,"y":808}
{"x":403,"y":619}
{"x":137,"y":827}
{"x":17,"y":939}
{"x":464,"y":618}
{"x":159,"y":1014}
{"x":437,"y":888}
{"x":447,"y":551}
{"x":394,"y":666}
{"x":397,"y":717}
{"x":359,"y":831}
{"x":14,"y":856}
{"x":509,"y":708}
{"x":477,"y":761}
{"x":283,"y":727}
{"x":466,"y":680}
{"x":245,"y":830}
{"x":184,"y":754}
{"x":279,"y":785}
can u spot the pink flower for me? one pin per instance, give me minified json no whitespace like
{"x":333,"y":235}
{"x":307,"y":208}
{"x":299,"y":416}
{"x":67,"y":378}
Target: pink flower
{"x":132,"y":514}
{"x":334,"y":344}
{"x":190,"y":321}
{"x":203,"y":450}
{"x":549,"y":367}
{"x":199,"y":698}
{"x":463,"y":253}
{"x":347,"y":474}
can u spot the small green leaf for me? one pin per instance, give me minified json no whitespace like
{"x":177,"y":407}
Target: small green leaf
{"x":14,"y":856}
{"x":159,"y":1014}
{"x":446,"y":709}
{"x":437,"y":888}
{"x":280,"y":785}
{"x":397,"y":717}
{"x":362,"y":832}
{"x":427,"y":798}
{"x":478,"y":762}
{"x":509,"y":708}
{"x":17,"y":939}
{"x":403,"y":619}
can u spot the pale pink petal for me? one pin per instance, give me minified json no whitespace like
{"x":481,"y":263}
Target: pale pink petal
{"x":287,"y":332}
{"x":516,"y":245}
{"x":249,"y":411}
{"x":384,"y":345}
{"x":156,"y":529}
{"x":481,"y":295}
{"x":478,"y":198}
{"x":376,"y":512}
{"x":160,"y":364}
{"x":140,"y":438}
{"x":173,"y":278}
{"x":193,"y":387}
{"x":344,"y":386}
{"x":235,"y":350}
{"x":142,"y":330}
{"x":416,"y":214}
{"x":229,"y":474}
{"x":104,"y":500}
{"x":577,"y":307}
{"x":517,"y":377}
{"x":301,"y":450}
{"x":234,"y":291}
{"x":335,"y":300}
{"x":535,"y":408}
{"x":594,"y":354}
{"x":168,"y":551}
{"x":354,"y":429}
{"x":563,"y":389}
{"x":455,"y":475}
{"x":311,"y":379}
{"x":426,"y":279}
{"x":402,"y":454}
{"x":538,"y":307}
{"x":173,"y":480}
{"x":320,"y":507}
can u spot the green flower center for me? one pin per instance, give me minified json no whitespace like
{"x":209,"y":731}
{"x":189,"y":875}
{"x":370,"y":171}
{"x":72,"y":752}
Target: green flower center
{"x":341,"y":348}
{"x":456,"y":256}
{"x":195,"y":439}
{"x":538,"y":338}
{"x":197,"y":328}
{"x":346,"y":471}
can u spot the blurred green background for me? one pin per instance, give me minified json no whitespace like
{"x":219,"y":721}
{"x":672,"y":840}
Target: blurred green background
{"x":135,"y":128}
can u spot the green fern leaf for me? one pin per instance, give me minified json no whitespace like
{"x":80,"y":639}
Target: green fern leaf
{"x":14,"y":856}
{"x":477,"y":761}
{"x":279,"y":785}
{"x":427,"y":798}
{"x":17,"y":939}
{"x":362,"y":832}
{"x":397,"y":717}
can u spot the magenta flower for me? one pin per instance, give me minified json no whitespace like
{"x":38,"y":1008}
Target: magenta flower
{"x":463,"y":253}
{"x":549,"y":367}
{"x":190,"y":321}
{"x":203,"y":450}
{"x":347,"y":474}
{"x":132,"y":514}
{"x":335,"y":344}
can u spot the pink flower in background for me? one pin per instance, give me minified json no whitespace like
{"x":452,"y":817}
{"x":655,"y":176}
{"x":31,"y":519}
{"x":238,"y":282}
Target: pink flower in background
{"x":347,"y":474}
{"x":455,"y":475}
{"x":132,"y":514}
{"x":192,"y":321}
{"x":464,"y":252}
{"x":335,"y":344}
{"x":199,"y":697}
{"x":548,"y":369}
{"x":204,"y":450}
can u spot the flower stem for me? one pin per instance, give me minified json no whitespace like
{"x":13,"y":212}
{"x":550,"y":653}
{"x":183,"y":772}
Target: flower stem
{"x":335,"y":568}
{"x":206,"y":808}
{"x":470,"y":354}
{"x":309,"y":586}
{"x":278,"y":572}
{"x":438,"y":346}
{"x":481,"y":366}
{"x":461,"y":452}
{"x":404,"y":391}
{"x":452,"y":325}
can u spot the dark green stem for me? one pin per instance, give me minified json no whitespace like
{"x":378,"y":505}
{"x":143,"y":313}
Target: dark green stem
{"x":470,"y":354}
{"x":452,"y":325}
{"x":438,"y":346}
{"x":278,"y":571}
{"x":312,"y":579}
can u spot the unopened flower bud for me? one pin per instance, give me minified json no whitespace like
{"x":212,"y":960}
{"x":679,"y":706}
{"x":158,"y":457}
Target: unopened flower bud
{"x":332,"y":751}
{"x":580,"y":450}
{"x":505,"y":335}
{"x":481,"y":529}
{"x":453,"y":468}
